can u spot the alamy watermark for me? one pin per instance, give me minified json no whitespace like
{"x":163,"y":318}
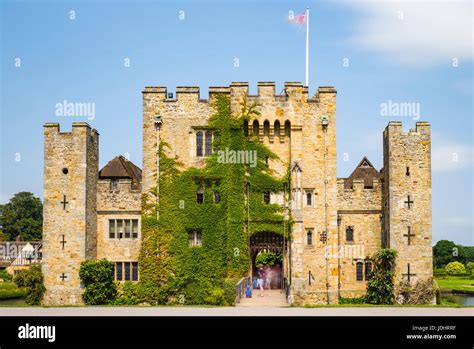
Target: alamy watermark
{"x":229,"y":156}
{"x":66,"y":108}
{"x":408,"y":109}
{"x":353,"y":251}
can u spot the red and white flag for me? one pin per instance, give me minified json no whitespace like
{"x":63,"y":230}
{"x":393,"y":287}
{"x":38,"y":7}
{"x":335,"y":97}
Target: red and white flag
{"x":297,"y":18}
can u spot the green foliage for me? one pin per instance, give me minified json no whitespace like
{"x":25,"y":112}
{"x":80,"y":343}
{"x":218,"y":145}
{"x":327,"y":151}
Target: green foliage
{"x":5,"y":276}
{"x":198,"y":274}
{"x":380,"y":289}
{"x":359,"y":300}
{"x":31,"y":280}
{"x":22,"y":216}
{"x":470,"y":267}
{"x":10,"y":290}
{"x":455,"y":268}
{"x":446,"y":251}
{"x":98,"y":280}
{"x":469,"y":253}
{"x":267,"y":258}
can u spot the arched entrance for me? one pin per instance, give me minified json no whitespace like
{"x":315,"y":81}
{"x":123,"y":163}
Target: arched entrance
{"x":264,"y":242}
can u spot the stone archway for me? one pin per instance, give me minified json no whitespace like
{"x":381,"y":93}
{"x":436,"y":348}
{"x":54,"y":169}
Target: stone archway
{"x":267,"y":242}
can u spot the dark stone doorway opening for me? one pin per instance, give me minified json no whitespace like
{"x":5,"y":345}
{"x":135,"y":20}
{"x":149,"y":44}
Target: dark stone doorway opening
{"x":268,"y":242}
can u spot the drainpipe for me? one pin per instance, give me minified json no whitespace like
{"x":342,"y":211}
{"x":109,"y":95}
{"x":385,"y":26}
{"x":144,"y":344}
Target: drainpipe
{"x":339,"y":219}
{"x":324,"y":124}
{"x":158,"y":123}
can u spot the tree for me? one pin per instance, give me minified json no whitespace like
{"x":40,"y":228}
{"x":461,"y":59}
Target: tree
{"x":444,"y":252}
{"x":32,"y":280}
{"x":98,"y":280}
{"x":455,"y":268}
{"x":470,"y":267}
{"x":469,"y":252}
{"x":380,"y":289}
{"x":22,"y":216}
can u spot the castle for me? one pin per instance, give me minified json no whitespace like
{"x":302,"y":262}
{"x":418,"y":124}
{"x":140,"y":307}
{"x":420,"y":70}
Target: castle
{"x":91,"y":214}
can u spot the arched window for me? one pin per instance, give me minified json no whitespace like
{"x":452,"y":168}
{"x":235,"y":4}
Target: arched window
{"x":309,"y":199}
{"x":255,"y":128}
{"x":349,"y":233}
{"x":309,"y":238}
{"x":359,"y":271}
{"x":287,"y":128}
{"x":208,"y":143}
{"x":200,"y":195}
{"x":199,"y":143}
{"x":246,"y":128}
{"x":277,"y":128}
{"x":368,"y":270}
{"x":266,"y":128}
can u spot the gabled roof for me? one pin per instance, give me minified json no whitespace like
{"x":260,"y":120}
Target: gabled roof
{"x":120,"y":167}
{"x":364,"y":170}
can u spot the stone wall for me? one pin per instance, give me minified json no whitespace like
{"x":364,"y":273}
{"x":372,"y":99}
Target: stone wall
{"x":360,"y":209}
{"x":304,"y":147}
{"x":410,"y":150}
{"x":123,"y":203}
{"x":70,"y":172}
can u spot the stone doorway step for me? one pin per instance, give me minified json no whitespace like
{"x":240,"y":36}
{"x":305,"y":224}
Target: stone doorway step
{"x":271,"y":298}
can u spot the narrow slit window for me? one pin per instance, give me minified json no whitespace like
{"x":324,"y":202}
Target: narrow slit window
{"x":120,"y":229}
{"x":135,"y":228}
{"x":119,"y":271}
{"x":200,"y":195}
{"x":199,"y":139}
{"x":111,"y":228}
{"x":309,"y":238}
{"x":359,"y":271}
{"x":266,"y":197}
{"x":349,"y":233}
{"x":127,"y":271}
{"x":134,"y":271}
{"x":127,"y":229}
{"x":208,"y":143}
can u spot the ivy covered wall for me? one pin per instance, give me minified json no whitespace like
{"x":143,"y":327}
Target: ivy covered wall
{"x":172,"y":270}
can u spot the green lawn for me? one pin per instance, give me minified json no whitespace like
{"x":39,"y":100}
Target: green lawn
{"x":10,"y":290}
{"x":456,"y":283}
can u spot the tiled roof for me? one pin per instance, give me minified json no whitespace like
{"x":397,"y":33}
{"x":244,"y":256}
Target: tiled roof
{"x":366,"y":171}
{"x":120,"y":167}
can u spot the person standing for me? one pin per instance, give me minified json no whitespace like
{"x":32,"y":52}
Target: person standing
{"x":268,"y":278}
{"x":260,"y":281}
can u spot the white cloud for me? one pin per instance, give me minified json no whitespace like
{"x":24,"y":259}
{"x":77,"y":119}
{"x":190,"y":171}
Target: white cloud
{"x":416,"y":33}
{"x":450,"y":156}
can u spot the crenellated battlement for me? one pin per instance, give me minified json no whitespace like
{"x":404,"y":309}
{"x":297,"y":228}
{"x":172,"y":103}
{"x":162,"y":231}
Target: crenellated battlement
{"x":55,"y":128}
{"x":266,"y":90}
{"x":396,"y":127}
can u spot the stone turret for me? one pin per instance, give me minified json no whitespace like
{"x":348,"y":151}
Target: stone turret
{"x":69,"y":223}
{"x":407,"y":199}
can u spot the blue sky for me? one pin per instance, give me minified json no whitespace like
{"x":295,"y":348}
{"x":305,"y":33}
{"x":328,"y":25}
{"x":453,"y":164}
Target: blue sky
{"x":400,"y":51}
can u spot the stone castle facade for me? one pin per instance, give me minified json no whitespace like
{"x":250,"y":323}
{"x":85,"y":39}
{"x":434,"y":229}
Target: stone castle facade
{"x":91,"y":214}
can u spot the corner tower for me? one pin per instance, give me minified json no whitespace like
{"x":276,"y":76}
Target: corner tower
{"x":407,"y":199}
{"x":69,"y":223}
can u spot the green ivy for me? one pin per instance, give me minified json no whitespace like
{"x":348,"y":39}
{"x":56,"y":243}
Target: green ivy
{"x":268,"y":258}
{"x":380,"y":289}
{"x":98,"y":280}
{"x":207,"y":274}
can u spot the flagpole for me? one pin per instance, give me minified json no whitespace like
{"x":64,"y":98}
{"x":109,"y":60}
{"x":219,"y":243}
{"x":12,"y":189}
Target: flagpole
{"x":307,"y":47}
